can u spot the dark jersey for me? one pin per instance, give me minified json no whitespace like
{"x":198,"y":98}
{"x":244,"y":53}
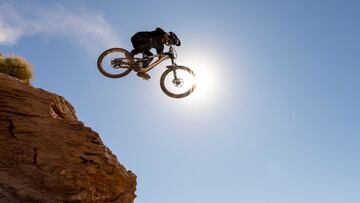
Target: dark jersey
{"x":144,"y":41}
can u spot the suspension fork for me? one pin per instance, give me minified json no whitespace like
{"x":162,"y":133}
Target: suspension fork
{"x":174,"y":70}
{"x":175,"y":75}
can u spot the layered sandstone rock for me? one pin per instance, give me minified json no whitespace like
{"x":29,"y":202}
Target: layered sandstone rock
{"x":47,"y":155}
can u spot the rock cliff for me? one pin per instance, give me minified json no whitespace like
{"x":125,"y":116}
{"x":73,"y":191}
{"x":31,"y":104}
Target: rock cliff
{"x":48,"y":155}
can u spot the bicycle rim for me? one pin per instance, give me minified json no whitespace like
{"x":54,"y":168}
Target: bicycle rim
{"x":180,"y":86}
{"x":109,"y":67}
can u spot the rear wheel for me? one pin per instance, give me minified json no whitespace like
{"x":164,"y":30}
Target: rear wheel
{"x":113,"y":63}
{"x":178,"y":81}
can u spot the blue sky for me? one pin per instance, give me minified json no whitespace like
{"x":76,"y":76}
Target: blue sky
{"x":275,"y":117}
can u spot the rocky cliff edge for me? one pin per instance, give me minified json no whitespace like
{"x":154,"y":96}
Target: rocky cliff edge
{"x":48,"y":155}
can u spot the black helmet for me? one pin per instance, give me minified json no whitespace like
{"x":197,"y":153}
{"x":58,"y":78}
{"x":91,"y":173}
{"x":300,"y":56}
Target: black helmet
{"x":174,"y":40}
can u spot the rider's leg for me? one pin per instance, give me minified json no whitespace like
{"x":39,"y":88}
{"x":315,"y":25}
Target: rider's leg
{"x":140,"y":49}
{"x":141,"y":45}
{"x":131,"y":54}
{"x":138,"y":43}
{"x":145,"y":76}
{"x":148,"y":54}
{"x":160,"y":49}
{"x":137,"y":49}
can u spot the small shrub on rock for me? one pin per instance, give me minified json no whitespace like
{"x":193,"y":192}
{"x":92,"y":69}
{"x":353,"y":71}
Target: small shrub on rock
{"x":16,"y":67}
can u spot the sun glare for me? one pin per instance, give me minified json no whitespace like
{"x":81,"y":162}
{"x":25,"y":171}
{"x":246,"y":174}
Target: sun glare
{"x":208,"y":95}
{"x":206,"y":81}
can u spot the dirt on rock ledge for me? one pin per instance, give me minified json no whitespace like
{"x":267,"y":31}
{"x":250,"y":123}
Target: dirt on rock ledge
{"x":47,"y":155}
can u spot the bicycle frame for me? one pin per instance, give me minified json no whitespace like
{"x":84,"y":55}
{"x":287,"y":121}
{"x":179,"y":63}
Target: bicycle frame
{"x":169,"y":55}
{"x":155,"y":63}
{"x":137,"y":63}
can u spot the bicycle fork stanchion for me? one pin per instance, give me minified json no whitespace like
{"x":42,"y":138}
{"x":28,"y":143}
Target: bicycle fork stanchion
{"x":176,"y":81}
{"x":174,"y":65}
{"x":175,"y":75}
{"x":119,"y":67}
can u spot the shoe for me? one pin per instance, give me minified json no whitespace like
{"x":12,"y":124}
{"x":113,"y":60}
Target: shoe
{"x":144,"y":76}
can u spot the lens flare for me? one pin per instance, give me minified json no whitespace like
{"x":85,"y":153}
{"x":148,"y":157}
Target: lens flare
{"x":206,"y":79}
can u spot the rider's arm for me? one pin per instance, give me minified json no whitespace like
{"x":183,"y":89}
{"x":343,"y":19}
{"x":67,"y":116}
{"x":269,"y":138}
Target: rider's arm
{"x":160,"y":49}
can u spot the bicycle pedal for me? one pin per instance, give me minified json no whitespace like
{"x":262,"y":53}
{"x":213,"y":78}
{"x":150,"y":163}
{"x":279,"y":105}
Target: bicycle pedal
{"x":144,"y":76}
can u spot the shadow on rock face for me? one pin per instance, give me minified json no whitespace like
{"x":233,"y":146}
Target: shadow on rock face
{"x":47,"y":155}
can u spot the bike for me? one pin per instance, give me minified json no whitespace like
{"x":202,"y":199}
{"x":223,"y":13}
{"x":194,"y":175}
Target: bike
{"x":176,"y":81}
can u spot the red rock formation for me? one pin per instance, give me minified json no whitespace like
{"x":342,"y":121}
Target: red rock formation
{"x":47,"y":155}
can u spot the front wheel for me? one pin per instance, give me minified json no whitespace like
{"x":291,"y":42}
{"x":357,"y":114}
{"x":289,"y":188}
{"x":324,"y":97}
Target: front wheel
{"x":178,"y":81}
{"x":113,"y":63}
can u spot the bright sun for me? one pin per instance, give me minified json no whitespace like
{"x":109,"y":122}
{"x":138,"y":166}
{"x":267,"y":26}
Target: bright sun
{"x":209,"y":93}
{"x":206,"y":81}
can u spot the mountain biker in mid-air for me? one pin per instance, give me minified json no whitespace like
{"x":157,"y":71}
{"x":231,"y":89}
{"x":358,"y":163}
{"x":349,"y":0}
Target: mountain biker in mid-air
{"x":144,"y":41}
{"x":176,"y":81}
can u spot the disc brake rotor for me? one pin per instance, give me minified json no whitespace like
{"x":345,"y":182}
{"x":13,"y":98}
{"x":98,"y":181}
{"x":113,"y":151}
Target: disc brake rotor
{"x":178,"y":82}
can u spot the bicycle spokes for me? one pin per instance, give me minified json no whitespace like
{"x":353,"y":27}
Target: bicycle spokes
{"x":180,"y":82}
{"x":176,"y":81}
{"x":113,"y":63}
